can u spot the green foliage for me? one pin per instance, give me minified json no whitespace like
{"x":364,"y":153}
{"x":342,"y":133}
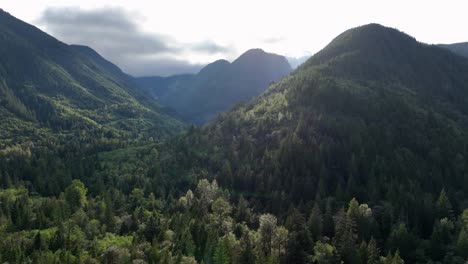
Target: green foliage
{"x":373,"y":252}
{"x":393,"y":259}
{"x":443,"y":205}
{"x":324,"y":254}
{"x":110,"y":239}
{"x":268,"y":230}
{"x":315,"y":223}
{"x":221,"y":254}
{"x":75,"y":195}
{"x":462,"y":243}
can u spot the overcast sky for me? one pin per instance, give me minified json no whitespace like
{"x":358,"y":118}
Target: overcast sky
{"x":155,"y":37}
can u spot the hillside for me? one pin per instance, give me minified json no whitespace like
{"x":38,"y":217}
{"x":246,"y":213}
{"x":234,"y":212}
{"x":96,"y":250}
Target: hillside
{"x":376,"y":116}
{"x":161,"y":87}
{"x":370,"y":89}
{"x":46,"y":85}
{"x":458,"y":48}
{"x":219,"y":85}
{"x":61,"y":105}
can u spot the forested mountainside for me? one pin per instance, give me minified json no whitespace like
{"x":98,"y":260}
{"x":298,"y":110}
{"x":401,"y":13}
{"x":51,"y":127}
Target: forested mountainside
{"x":373,"y":101}
{"x":358,"y":156}
{"x":458,"y":48}
{"x":375,"y":116}
{"x":218,"y":86}
{"x":60,"y":105}
{"x":48,"y":86}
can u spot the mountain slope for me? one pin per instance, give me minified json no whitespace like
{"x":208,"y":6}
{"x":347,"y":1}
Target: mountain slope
{"x":219,"y":85}
{"x":51,"y":85}
{"x":160,"y":87}
{"x":458,"y":48}
{"x":374,"y":115}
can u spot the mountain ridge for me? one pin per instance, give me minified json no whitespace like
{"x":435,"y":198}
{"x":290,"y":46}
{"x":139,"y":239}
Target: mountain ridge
{"x":56,"y":83}
{"x":339,"y":100}
{"x":220,"y":85}
{"x":457,"y":48}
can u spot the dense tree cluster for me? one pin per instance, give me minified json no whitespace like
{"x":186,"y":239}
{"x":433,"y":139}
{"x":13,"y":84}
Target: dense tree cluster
{"x":210,"y":225}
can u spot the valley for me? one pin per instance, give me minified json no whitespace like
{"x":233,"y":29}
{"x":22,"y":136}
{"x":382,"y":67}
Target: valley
{"x":358,"y":155}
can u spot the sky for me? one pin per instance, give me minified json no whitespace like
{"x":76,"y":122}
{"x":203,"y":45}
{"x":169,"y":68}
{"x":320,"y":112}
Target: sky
{"x":152,"y":37}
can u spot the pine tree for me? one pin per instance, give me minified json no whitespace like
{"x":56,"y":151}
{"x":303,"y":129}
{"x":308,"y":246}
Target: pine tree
{"x":462,"y":244}
{"x":109,"y":212}
{"x":152,"y":227}
{"x":401,"y":239}
{"x":441,"y":238}
{"x":345,"y":239}
{"x":38,"y":241}
{"x":353,"y":210}
{"x":221,"y":254}
{"x":397,"y":259}
{"x":247,"y":254}
{"x":299,"y":240}
{"x":443,"y":206}
{"x":315,"y":223}
{"x":373,"y":252}
{"x":267,"y":232}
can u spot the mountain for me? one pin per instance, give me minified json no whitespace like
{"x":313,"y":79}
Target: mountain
{"x":358,"y":156}
{"x":160,"y":87}
{"x":219,"y":85}
{"x":48,"y":85}
{"x":369,"y":97}
{"x":375,"y":116}
{"x":458,"y":48}
{"x":297,"y":61}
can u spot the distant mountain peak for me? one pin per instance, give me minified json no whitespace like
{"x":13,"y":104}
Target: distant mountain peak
{"x":370,"y":34}
{"x":373,"y":29}
{"x":373,"y":43}
{"x":254,"y":58}
{"x":253,"y":54}
{"x":214,"y":67}
{"x":220,"y":62}
{"x":254,"y":51}
{"x":377,"y":53}
{"x":374,"y":26}
{"x":219,"y":85}
{"x":460,"y":48}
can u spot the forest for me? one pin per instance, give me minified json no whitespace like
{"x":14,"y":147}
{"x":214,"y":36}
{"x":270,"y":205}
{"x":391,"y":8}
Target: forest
{"x":358,"y":156}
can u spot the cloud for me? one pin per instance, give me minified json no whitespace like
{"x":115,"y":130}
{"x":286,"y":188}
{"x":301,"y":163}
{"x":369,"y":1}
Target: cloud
{"x":210,"y":47}
{"x":273,"y":40}
{"x":115,"y":34}
{"x":163,"y":66}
